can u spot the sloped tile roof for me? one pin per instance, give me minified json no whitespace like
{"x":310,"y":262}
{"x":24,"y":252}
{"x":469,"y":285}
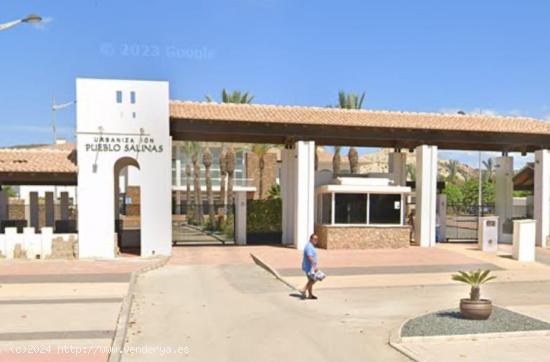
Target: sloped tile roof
{"x":39,"y":159}
{"x":355,"y":118}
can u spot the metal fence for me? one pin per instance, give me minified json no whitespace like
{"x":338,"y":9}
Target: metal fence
{"x":462,"y":221}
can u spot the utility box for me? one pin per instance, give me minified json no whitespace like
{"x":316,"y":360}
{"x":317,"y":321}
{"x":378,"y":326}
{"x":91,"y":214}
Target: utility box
{"x":487,"y":233}
{"x":524,"y":240}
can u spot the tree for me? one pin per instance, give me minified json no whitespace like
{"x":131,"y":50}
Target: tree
{"x":260,"y":150}
{"x":452,"y":166}
{"x":230,"y":158}
{"x":188,"y":150}
{"x":336,"y":161}
{"x":207,"y":162}
{"x":454,"y":194}
{"x":351,"y":101}
{"x":490,"y":167}
{"x":235,"y":96}
{"x":223,"y":176}
{"x":411,"y":172}
{"x":238,"y":97}
{"x":274,"y":192}
{"x":197,"y":183}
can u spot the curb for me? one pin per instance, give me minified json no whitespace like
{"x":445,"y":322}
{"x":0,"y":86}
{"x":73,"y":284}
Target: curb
{"x":117,"y":346}
{"x":396,"y":341}
{"x":262,"y":264}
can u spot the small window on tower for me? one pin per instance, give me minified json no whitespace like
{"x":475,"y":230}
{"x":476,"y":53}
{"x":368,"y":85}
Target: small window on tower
{"x":133,"y":97}
{"x":119,"y":96}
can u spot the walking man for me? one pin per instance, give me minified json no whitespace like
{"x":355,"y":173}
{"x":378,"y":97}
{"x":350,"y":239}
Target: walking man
{"x":309,"y":266}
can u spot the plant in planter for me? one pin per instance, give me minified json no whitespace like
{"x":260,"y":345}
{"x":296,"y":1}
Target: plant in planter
{"x":475,"y":307}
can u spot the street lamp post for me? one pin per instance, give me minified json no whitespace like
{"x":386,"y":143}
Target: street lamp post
{"x":31,"y":19}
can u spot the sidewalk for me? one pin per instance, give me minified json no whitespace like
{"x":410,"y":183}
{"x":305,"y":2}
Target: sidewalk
{"x":58,"y":310}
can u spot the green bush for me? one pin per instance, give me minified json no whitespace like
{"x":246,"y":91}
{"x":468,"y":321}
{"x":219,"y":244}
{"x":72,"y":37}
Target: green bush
{"x":264,"y":216}
{"x":228,"y":226}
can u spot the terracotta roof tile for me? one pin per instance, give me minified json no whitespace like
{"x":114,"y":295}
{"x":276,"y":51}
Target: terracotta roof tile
{"x":38,"y":160}
{"x":358,"y":118}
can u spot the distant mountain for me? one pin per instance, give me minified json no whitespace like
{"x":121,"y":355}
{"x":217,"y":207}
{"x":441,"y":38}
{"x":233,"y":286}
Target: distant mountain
{"x":378,"y":162}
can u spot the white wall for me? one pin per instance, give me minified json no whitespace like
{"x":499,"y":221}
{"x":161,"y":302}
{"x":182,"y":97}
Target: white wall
{"x":130,"y":129}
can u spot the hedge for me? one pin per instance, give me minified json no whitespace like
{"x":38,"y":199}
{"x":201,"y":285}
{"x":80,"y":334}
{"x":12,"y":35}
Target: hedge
{"x":264,"y":216}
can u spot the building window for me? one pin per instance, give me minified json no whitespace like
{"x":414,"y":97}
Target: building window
{"x":133,"y":97}
{"x":350,"y":208}
{"x":119,"y":96}
{"x":385,"y":209}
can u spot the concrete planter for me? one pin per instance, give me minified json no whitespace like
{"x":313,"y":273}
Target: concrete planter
{"x":476,"y":309}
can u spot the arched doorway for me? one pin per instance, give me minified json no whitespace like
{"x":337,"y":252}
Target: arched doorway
{"x":127,"y":207}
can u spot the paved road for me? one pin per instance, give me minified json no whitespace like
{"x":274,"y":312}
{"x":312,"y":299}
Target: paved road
{"x":240,"y":313}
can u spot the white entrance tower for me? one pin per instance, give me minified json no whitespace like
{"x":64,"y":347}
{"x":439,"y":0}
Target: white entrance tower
{"x":123,"y":123}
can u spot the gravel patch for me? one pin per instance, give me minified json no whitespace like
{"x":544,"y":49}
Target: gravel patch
{"x":450,"y":322}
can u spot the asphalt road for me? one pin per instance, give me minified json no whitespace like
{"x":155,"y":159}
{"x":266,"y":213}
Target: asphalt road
{"x":241,"y":313}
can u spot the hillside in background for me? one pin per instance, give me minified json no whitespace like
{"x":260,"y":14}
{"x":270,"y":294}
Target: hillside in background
{"x":378,"y":162}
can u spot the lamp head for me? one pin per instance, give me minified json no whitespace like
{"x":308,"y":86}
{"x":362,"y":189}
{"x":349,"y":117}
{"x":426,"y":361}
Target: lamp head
{"x":32,"y":19}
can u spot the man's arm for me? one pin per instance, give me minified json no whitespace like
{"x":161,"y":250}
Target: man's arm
{"x":313,"y":263}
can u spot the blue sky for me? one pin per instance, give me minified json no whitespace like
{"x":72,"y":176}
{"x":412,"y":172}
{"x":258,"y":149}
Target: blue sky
{"x":489,"y":56}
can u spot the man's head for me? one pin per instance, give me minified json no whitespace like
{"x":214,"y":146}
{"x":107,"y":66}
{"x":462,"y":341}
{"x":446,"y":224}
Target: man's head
{"x":314,"y":239}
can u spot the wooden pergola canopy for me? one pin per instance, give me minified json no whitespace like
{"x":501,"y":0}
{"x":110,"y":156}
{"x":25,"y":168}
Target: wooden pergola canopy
{"x":283,"y":125}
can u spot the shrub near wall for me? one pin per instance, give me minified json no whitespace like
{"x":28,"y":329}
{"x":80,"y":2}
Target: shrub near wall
{"x":264,"y":221}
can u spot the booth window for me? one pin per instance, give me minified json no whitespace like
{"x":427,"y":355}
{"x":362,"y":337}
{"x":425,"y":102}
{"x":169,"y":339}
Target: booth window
{"x":326,"y":217}
{"x":350,"y":208}
{"x":385,"y":209}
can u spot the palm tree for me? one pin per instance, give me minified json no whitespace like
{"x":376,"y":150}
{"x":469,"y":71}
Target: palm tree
{"x":238,"y":97}
{"x":351,"y":101}
{"x":197,"y":184}
{"x":260,"y":150}
{"x":188,"y":149}
{"x":230,"y":169}
{"x":223,"y":176}
{"x":411,"y":172}
{"x":207,"y":162}
{"x":453,"y":170}
{"x":235,"y":96}
{"x":489,"y":165}
{"x":336,"y":161}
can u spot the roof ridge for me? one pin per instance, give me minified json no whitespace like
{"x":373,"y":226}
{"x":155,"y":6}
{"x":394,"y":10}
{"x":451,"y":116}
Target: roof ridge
{"x":372,"y":111}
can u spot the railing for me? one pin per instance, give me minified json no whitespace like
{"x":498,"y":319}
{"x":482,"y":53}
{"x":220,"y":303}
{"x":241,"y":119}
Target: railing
{"x":184,"y":208}
{"x":216,"y":182}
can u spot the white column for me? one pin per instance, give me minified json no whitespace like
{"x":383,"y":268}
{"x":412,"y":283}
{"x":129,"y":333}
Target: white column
{"x":504,"y":195}
{"x":305,"y":192}
{"x":426,"y":189}
{"x":34,"y":209}
{"x":287,"y":195}
{"x":397,"y":167}
{"x":542,"y":196}
{"x":49,"y":209}
{"x":240,"y":218}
